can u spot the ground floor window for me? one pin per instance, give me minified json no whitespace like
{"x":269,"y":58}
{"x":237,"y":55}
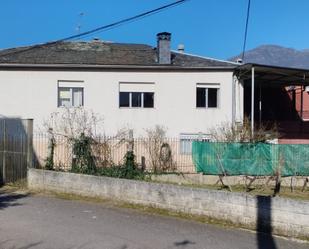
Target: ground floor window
{"x":186,"y":140}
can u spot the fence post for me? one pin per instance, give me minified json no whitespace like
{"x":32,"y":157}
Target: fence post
{"x":29,"y":123}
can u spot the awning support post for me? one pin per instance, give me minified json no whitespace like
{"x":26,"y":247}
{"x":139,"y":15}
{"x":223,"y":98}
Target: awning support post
{"x":301,"y":102}
{"x":252,"y":101}
{"x":260,"y":106}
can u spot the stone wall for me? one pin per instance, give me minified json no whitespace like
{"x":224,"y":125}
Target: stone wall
{"x":282,"y":216}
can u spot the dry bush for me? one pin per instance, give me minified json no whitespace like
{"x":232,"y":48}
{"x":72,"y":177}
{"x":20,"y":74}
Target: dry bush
{"x":103,"y":146}
{"x":74,"y":125}
{"x":160,"y":153}
{"x":71,"y":122}
{"x":228,"y":132}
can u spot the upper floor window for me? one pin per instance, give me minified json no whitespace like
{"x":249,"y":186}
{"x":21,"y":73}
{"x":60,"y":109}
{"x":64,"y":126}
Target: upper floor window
{"x":70,"y":94}
{"x":136,"y":95}
{"x":207,"y":95}
{"x":136,"y":99}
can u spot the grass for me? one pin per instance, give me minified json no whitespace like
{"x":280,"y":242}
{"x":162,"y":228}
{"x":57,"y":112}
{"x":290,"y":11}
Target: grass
{"x":255,"y":190}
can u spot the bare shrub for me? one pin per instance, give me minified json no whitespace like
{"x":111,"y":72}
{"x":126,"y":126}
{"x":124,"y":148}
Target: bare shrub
{"x":76,"y":125}
{"x":102,"y":150}
{"x":160,"y":153}
{"x":71,"y":122}
{"x":228,"y":132}
{"x":103,"y":146}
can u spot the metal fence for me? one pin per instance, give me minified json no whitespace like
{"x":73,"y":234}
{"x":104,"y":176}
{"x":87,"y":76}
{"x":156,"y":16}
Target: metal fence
{"x":109,"y":151}
{"x":15,"y":149}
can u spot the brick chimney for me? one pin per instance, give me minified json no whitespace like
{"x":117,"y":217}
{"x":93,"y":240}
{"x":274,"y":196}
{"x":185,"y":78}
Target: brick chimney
{"x":164,"y":48}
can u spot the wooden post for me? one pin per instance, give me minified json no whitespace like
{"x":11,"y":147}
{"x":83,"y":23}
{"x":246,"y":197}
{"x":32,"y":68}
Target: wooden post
{"x":143,"y":163}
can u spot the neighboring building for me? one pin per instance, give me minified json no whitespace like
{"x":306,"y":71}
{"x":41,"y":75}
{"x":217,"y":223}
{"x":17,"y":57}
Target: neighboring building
{"x":130,"y":85}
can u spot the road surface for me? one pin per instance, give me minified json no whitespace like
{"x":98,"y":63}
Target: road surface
{"x":47,"y":222}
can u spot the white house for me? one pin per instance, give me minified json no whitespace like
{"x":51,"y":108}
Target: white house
{"x":130,"y":85}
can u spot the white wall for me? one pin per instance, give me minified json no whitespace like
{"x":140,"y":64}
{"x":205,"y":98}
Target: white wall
{"x":33,"y":94}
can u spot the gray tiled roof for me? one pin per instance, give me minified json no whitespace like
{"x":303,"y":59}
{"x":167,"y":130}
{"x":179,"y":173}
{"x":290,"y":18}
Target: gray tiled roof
{"x":100,"y":53}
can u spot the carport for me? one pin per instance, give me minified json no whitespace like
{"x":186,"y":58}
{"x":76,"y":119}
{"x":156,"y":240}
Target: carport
{"x":261,"y":80}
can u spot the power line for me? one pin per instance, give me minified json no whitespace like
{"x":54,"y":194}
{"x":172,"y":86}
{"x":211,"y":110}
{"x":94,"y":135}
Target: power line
{"x":103,"y":28}
{"x":246,"y":31}
{"x":116,"y":24}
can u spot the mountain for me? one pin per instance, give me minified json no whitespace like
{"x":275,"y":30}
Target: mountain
{"x":277,"y":56}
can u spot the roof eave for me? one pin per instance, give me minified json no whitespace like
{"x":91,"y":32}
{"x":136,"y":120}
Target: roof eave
{"x":250,"y":65}
{"x":117,"y":67}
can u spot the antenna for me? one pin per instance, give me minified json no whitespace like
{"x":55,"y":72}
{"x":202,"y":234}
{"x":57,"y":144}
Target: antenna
{"x":79,"y":24}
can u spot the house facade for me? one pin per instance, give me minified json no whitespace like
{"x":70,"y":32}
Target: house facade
{"x":129,"y":85}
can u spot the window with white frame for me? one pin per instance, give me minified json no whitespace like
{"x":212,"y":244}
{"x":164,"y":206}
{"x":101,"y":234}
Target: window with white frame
{"x":70,"y":94}
{"x":187,"y":139}
{"x":136,"y":95}
{"x":207,"y":95}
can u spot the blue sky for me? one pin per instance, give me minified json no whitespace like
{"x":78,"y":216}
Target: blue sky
{"x":206,"y":27}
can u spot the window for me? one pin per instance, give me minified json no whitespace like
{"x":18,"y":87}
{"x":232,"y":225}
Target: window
{"x":207,"y":96}
{"x":136,"y":95}
{"x":136,"y":99}
{"x":124,"y":99}
{"x":148,"y":100}
{"x":70,"y":96}
{"x":187,"y":139}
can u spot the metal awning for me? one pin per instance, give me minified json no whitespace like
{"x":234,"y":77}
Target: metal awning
{"x":273,"y":75}
{"x":270,"y":76}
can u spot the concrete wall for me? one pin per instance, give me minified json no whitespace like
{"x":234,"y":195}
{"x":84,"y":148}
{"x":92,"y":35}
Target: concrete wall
{"x":33,"y":94}
{"x":287,"y":217}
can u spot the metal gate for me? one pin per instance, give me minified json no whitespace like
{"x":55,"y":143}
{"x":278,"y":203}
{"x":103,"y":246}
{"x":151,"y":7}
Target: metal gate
{"x":15,"y":149}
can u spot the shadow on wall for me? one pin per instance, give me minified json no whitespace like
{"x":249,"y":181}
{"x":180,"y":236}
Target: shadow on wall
{"x":265,"y":239}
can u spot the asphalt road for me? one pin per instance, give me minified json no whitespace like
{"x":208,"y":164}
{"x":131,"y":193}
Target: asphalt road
{"x":47,"y":222}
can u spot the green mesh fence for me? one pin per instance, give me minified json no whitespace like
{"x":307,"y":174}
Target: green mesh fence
{"x":256,"y":159}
